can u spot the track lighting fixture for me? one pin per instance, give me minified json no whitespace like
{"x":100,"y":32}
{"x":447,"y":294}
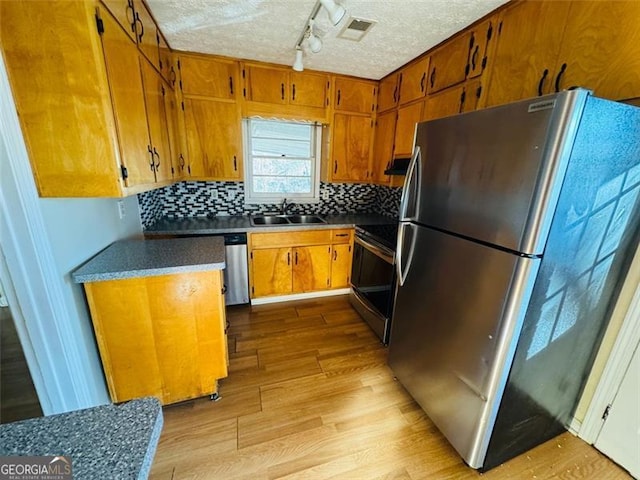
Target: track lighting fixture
{"x":336,"y":13}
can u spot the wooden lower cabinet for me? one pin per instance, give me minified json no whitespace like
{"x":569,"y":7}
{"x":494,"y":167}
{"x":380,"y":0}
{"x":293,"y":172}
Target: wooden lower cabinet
{"x":284,"y":263}
{"x":161,"y":336}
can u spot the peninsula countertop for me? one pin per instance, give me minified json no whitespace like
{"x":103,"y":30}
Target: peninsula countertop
{"x":109,"y":441}
{"x":242,"y":223}
{"x":147,"y":258}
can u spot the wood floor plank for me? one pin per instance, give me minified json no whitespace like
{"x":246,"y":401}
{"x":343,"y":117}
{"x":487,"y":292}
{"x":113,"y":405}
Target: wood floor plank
{"x":310,"y":396}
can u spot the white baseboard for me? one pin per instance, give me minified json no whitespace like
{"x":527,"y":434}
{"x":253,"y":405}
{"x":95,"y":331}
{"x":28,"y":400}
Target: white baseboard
{"x":299,"y":296}
{"x":574,"y":426}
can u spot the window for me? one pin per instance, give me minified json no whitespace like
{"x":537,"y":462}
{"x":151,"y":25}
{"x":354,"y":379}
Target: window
{"x":282,"y":161}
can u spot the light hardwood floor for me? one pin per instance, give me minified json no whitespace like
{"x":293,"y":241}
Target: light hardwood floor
{"x":309,"y":396}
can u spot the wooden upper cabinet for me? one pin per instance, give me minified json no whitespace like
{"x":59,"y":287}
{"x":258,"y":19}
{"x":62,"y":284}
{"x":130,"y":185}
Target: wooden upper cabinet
{"x":480,"y":47}
{"x":122,"y":11}
{"x":388,"y":92}
{"x":308,"y":89}
{"x":408,"y":117}
{"x":166,"y":61}
{"x":351,"y":147}
{"x":121,"y":58}
{"x":214,"y":139}
{"x":209,"y":77}
{"x":351,"y":95}
{"x":266,"y":84}
{"x":600,"y":49}
{"x":383,"y":147}
{"x":147,"y":34}
{"x":445,"y":103}
{"x":528,"y":42}
{"x":413,"y":81}
{"x":449,"y":63}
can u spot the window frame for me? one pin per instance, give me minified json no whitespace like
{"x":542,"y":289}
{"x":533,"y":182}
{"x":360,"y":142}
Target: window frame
{"x":254,"y":198}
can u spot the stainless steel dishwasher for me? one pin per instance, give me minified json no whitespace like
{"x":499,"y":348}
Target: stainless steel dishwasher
{"x":236,"y":278}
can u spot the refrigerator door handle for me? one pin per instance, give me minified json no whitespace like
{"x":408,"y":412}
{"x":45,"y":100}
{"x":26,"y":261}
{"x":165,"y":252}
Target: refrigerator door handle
{"x":411,"y":189}
{"x":402,"y":266}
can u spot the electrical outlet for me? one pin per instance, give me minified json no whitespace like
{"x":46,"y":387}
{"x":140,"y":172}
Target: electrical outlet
{"x":121,"y":211}
{"x":325,"y":195}
{"x":214,"y":195}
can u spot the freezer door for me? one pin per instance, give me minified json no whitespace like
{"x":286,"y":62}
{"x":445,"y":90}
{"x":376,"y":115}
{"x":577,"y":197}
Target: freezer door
{"x":495,"y":174}
{"x":456,"y":320}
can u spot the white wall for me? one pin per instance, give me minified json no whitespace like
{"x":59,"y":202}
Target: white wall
{"x":43,"y":240}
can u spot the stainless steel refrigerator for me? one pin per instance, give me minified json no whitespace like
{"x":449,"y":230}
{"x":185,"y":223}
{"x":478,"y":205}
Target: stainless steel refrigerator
{"x":517,"y":225}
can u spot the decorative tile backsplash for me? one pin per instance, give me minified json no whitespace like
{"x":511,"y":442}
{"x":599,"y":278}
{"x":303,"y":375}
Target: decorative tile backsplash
{"x":199,"y":199}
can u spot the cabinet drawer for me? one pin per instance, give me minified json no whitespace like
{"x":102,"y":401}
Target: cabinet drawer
{"x":290,"y":239}
{"x":343,"y":235}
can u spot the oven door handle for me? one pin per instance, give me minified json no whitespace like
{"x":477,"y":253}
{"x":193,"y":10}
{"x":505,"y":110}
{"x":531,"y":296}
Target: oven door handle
{"x":375,"y":249}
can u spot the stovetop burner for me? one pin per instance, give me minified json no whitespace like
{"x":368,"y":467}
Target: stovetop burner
{"x":386,"y":234}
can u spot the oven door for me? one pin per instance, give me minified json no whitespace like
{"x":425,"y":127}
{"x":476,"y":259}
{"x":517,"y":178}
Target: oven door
{"x":373,"y":284}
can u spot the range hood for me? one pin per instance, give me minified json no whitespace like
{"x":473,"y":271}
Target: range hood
{"x":398,"y":166}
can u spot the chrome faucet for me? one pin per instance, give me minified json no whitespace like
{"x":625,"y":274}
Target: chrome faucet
{"x":284,"y":206}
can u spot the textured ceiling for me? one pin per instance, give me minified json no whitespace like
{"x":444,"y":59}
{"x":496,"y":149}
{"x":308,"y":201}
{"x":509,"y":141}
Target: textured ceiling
{"x":268,"y":30}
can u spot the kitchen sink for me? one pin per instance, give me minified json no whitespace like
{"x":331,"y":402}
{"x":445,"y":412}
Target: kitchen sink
{"x":285,"y":219}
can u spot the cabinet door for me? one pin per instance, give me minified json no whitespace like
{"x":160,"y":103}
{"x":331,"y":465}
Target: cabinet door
{"x":271,"y":272}
{"x":480,"y":42}
{"x":147,"y":34}
{"x":601,"y":49}
{"x":171,"y":121}
{"x":354,"y":95}
{"x":154,"y":93}
{"x":267,"y":85}
{"x":528,"y":43}
{"x":341,"y":266}
{"x":164,"y":53}
{"x":214,"y":139}
{"x":127,"y":95}
{"x":449,"y":63}
{"x":351,"y":147}
{"x":311,"y":268}
{"x":122,"y":11}
{"x":472,"y":95}
{"x":388,"y":93}
{"x":183,"y":167}
{"x":406,"y":128}
{"x":413,"y":81}
{"x":383,"y":147}
{"x":443,"y":104}
{"x":308,"y":89}
{"x":208,"y":77}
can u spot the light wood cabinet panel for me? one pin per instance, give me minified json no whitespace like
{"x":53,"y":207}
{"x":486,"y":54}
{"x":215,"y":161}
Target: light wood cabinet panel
{"x":166,"y":341}
{"x":267,"y":85}
{"x":127,"y":94}
{"x":600,"y":49}
{"x":122,"y":11}
{"x":308,"y":89}
{"x":290,"y":238}
{"x":405,"y":129}
{"x":164,"y":52}
{"x":413,"y":81}
{"x":147,"y":34}
{"x":154,"y":93}
{"x":354,"y":95}
{"x":481,"y":43}
{"x":171,"y":112}
{"x":383,"y":147}
{"x":183,"y":166}
{"x":528,"y":43}
{"x":443,"y":104}
{"x":388,"y":93}
{"x":271,"y":272}
{"x":214,"y":139}
{"x":209,"y":77}
{"x":344,"y":235}
{"x":472,"y":95}
{"x":449,"y":63}
{"x":351,"y":147}
{"x":311,"y":268}
{"x":341,"y":258}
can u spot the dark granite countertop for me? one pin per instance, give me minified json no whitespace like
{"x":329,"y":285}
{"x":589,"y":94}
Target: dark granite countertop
{"x":147,"y":258}
{"x":242,"y":224}
{"x":109,"y":441}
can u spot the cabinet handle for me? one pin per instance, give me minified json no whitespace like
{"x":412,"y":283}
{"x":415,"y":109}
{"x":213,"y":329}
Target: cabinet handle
{"x":424,"y":77}
{"x":231,"y":85}
{"x":432,"y":78}
{"x":296,"y":257}
{"x":395,"y":93}
{"x":335,"y":166}
{"x":335,"y":255}
{"x":474,"y":57}
{"x":294,"y":92}
{"x":181,"y":158}
{"x":132,"y":22}
{"x":562,"y":69}
{"x":174,"y":77}
{"x":463,"y":95}
{"x":141,"y":34}
{"x":282,"y":90}
{"x":342,"y":234}
{"x":235,"y":164}
{"x":155,"y":152}
{"x":338,"y":98}
{"x":152,"y":162}
{"x":288,"y":258}
{"x":542,"y":79}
